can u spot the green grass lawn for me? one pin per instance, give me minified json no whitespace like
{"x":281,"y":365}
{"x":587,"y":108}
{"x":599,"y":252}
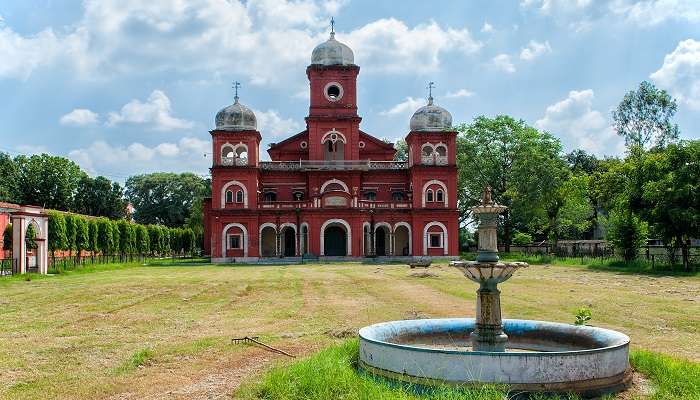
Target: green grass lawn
{"x":136,"y":332}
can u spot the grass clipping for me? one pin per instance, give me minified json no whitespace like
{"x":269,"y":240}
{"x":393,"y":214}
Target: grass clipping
{"x":333,"y":374}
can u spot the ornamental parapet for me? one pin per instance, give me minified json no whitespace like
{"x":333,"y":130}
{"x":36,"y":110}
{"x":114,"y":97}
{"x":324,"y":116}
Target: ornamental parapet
{"x":334,"y":165}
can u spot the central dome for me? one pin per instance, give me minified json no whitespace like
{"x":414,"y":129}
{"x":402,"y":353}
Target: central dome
{"x":236,"y":117}
{"x":332,"y":52}
{"x":431,"y":118}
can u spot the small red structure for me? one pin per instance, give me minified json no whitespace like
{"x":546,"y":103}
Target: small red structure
{"x":332,"y":190}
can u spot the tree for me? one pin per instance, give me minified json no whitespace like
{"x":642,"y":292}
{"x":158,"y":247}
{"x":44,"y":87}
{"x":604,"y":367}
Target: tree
{"x":57,"y":233}
{"x":574,"y":213}
{"x":47,"y":181}
{"x":7,"y":238}
{"x":30,"y":237}
{"x":71,"y":232}
{"x":644,"y":116}
{"x":116,"y":237}
{"x":142,"y":240}
{"x":671,"y":194}
{"x":401,"y":150}
{"x":93,"y":244}
{"x":522,"y":239}
{"x":164,"y":198}
{"x":104,"y":236}
{"x":581,"y":162}
{"x":626,"y":232}
{"x":124,"y":237}
{"x":8,"y":183}
{"x":521,"y":164}
{"x":99,"y":197}
{"x":82,"y":236}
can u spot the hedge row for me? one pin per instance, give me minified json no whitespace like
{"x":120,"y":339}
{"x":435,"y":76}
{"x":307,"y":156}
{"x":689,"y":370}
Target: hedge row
{"x":72,"y":232}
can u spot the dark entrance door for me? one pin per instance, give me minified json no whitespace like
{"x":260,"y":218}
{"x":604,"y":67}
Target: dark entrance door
{"x":289,"y":244}
{"x":335,"y":241}
{"x":380,"y":241}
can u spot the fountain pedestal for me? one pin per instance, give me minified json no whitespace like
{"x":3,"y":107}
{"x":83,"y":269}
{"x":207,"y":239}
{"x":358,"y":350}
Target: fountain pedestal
{"x":488,"y":272}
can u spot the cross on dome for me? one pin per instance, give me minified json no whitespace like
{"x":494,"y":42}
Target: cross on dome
{"x":235,"y":86}
{"x":430,"y":87}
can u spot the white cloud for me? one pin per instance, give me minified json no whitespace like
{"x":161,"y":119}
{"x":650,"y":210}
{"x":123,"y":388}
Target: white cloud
{"x":390,"y":45}
{"x":79,"y":117}
{"x":582,"y":14}
{"x":487,"y":28}
{"x":259,"y":39}
{"x":410,"y":105}
{"x":270,"y":122}
{"x":502,"y":62}
{"x":535,"y":49}
{"x":156,"y":110}
{"x":188,"y":154}
{"x":578,"y":125}
{"x":459,"y":93}
{"x":680,"y":73}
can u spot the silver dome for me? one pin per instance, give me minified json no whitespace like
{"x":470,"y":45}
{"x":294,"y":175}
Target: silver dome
{"x":236,"y":117}
{"x":431,"y":118}
{"x":332,"y":52}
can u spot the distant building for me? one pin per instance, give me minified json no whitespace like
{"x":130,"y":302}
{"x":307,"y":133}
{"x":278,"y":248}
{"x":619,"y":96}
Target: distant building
{"x":332,"y":190}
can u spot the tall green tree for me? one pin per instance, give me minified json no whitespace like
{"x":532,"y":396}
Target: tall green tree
{"x":99,"y":197}
{"x":581,"y":162}
{"x":57,"y":233}
{"x":164,"y":198}
{"x":644,"y":117}
{"x":116,"y":237}
{"x":93,"y":232}
{"x":521,"y":164}
{"x":627,"y":232}
{"x":10,"y":174}
{"x":104,"y":236}
{"x":71,"y":232}
{"x":7,"y":238}
{"x":82,"y":235}
{"x":47,"y":181}
{"x":142,"y":240}
{"x":401,"y":150}
{"x":671,"y":194}
{"x":124,"y":237}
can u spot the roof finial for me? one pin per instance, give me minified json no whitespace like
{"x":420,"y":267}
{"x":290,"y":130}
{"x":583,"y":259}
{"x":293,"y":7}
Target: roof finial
{"x":430,"y":87}
{"x":235,"y":86}
{"x":332,"y":27}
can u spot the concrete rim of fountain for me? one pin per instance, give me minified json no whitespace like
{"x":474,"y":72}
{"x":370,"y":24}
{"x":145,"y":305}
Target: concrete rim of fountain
{"x":597,"y":366}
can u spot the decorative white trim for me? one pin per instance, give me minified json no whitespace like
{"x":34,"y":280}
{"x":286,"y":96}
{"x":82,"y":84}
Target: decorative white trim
{"x":434,"y":182}
{"x":303,"y":144}
{"x":426,"y":239}
{"x":228,"y":240}
{"x":328,"y":85}
{"x":224,"y":237}
{"x":328,"y":182}
{"x":304,"y":238}
{"x":348,"y":232}
{"x":340,"y":137}
{"x":432,"y":148}
{"x":229,"y":184}
{"x":410,"y":235}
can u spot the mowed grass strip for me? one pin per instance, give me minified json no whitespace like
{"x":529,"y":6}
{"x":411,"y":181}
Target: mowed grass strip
{"x":66,"y":336}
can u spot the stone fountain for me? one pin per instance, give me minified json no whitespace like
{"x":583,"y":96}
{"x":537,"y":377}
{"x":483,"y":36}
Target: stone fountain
{"x":526,"y":355}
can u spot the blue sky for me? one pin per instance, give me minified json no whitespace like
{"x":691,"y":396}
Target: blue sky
{"x":127,"y":86}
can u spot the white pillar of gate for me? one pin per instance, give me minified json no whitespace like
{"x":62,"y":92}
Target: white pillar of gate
{"x":21,"y":219}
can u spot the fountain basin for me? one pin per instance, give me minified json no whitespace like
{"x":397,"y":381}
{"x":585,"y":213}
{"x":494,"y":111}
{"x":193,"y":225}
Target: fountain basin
{"x":540,"y":356}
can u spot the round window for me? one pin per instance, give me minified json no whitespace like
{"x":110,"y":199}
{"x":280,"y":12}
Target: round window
{"x":303,"y":144}
{"x":362,"y":144}
{"x":333,"y":91}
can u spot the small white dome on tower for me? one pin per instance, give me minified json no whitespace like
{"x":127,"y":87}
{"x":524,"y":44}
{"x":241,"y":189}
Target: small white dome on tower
{"x":332,"y":52}
{"x":431,"y":118}
{"x":236,"y":117}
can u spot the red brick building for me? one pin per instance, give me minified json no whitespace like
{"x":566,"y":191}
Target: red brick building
{"x":332,"y":190}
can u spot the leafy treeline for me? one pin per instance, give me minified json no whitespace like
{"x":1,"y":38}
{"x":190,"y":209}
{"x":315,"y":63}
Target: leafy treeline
{"x":653,"y":191}
{"x":173,"y":200}
{"x":75,"y":233}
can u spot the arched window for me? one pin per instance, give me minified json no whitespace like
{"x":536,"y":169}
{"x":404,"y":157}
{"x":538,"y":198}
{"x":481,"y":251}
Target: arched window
{"x":241,"y":154}
{"x":397,"y":196}
{"x":441,"y":150}
{"x":427,"y":154}
{"x":333,"y":146}
{"x":239,"y":196}
{"x":371,"y":196}
{"x":298,"y":196}
{"x":227,"y":155}
{"x":429,"y":195}
{"x":270,"y":196}
{"x":229,"y":196}
{"x":439,"y":196}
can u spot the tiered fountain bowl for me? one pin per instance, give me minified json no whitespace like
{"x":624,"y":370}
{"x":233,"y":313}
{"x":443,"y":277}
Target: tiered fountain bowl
{"x":526,"y":355}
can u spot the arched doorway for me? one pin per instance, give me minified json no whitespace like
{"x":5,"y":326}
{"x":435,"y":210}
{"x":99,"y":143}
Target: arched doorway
{"x":288,"y":242}
{"x":334,"y":241}
{"x":402,"y":241}
{"x":268,"y":242}
{"x":381,"y":243}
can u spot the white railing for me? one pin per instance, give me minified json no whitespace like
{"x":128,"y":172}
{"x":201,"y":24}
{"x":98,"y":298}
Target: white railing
{"x":332,"y":165}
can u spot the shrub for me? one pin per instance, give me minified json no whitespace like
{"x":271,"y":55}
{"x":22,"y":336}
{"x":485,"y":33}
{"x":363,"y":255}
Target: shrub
{"x":627,"y":233}
{"x":521,"y":239}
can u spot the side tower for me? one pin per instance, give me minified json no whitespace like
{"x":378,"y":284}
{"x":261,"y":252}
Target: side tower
{"x":333,"y":123}
{"x":234,"y":175}
{"x":433,"y":173}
